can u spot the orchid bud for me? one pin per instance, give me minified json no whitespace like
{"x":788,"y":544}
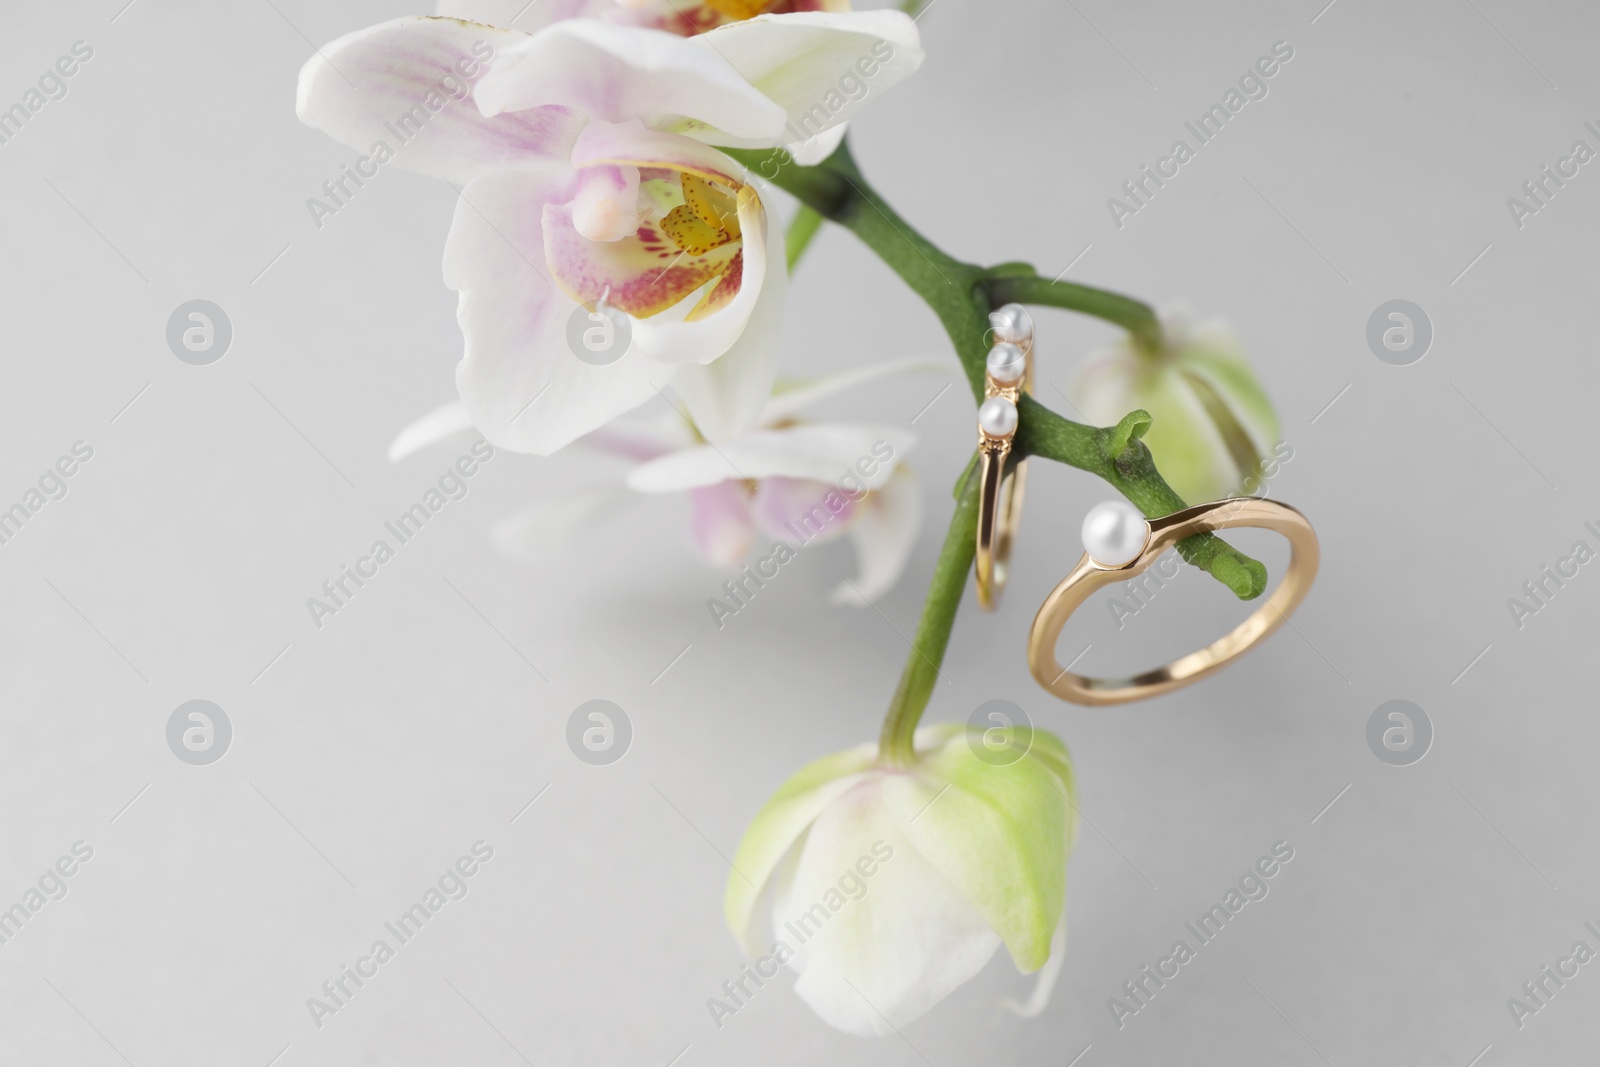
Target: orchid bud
{"x":891,"y":886}
{"x":1213,"y":426}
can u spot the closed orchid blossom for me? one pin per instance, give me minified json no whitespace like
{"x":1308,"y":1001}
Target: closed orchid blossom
{"x":890,"y":886}
{"x":794,"y":482}
{"x":583,"y":155}
{"x":1213,"y":432}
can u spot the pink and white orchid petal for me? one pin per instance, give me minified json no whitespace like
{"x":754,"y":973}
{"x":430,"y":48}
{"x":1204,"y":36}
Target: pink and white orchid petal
{"x":636,"y":144}
{"x":720,"y":523}
{"x":632,"y":143}
{"x":546,"y":533}
{"x":527,"y":391}
{"x":640,"y":440}
{"x":821,"y":67}
{"x":802,"y":511}
{"x":726,"y":397}
{"x":616,"y":73}
{"x":406,"y":84}
{"x":884,"y":533}
{"x":871,"y":965}
{"x":440,"y":424}
{"x":521,"y":14}
{"x":790,"y":398}
{"x":846,"y":455}
{"x":643,"y":274}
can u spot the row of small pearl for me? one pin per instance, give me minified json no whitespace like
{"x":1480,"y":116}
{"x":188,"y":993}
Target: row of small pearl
{"x":1007,"y":366}
{"x":1113,"y":532}
{"x":1000,"y":506}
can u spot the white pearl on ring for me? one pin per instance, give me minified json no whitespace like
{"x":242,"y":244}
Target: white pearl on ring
{"x":997,"y":417}
{"x":1006,"y":363}
{"x":1114,"y":533}
{"x":1011,"y":323}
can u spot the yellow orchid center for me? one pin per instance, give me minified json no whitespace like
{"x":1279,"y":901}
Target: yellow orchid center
{"x":682,"y":239}
{"x":708,"y":217}
{"x":737,"y":10}
{"x":691,"y":18}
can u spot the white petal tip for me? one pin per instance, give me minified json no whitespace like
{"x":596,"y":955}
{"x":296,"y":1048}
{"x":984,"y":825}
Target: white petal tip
{"x":1022,"y":1010}
{"x":437,"y":425}
{"x":845,"y":596}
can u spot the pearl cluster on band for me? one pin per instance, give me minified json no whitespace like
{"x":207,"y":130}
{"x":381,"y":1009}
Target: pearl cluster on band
{"x":1007,"y":366}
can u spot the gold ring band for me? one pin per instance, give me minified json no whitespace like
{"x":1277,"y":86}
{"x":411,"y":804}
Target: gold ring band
{"x":1090,"y":575}
{"x":999,"y":509}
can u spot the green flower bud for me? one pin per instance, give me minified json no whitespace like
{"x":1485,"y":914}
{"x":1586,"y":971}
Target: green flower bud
{"x":891,"y":886}
{"x":1213,"y":424}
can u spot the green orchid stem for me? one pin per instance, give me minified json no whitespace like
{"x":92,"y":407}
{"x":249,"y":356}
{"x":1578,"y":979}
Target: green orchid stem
{"x":962,"y":295}
{"x":921,"y":673}
{"x":1135,"y":316}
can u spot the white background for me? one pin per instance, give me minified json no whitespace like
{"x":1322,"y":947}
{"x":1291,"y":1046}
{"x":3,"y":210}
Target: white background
{"x":422,"y":718}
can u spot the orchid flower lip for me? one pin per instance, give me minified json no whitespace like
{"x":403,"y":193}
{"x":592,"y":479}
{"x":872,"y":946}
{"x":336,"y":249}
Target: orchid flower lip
{"x":597,"y":334}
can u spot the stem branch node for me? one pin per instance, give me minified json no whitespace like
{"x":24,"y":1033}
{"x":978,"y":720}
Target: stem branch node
{"x":962,"y":295}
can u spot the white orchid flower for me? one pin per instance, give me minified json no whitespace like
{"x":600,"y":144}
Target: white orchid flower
{"x":891,"y":886}
{"x":793,"y":482}
{"x":1214,"y":430}
{"x":583,"y":157}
